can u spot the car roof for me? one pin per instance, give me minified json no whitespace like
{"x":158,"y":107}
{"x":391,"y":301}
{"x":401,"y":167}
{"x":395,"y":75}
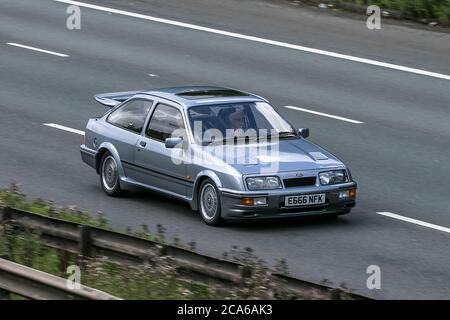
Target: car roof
{"x":203,"y":95}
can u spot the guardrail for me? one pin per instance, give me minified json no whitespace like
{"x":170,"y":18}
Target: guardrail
{"x":97,"y":242}
{"x":38,"y":285}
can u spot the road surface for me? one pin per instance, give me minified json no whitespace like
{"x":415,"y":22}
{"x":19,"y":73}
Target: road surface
{"x":389,"y":123}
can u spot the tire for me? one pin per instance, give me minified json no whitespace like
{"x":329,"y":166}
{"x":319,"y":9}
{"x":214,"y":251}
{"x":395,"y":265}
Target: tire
{"x":209,"y":204}
{"x":109,"y":176}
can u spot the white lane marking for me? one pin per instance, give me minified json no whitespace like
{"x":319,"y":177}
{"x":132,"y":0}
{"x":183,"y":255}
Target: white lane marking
{"x":418,"y":222}
{"x":324,"y":114}
{"x":261,"y":40}
{"x":57,"y":126}
{"x":152,"y":75}
{"x":37,"y":49}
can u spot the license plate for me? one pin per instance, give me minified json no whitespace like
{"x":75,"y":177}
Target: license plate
{"x":304,"y":200}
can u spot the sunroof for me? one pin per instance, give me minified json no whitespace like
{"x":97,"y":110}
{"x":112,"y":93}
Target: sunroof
{"x":208,"y":94}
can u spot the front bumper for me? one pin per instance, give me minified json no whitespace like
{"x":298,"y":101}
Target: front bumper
{"x":233,"y":209}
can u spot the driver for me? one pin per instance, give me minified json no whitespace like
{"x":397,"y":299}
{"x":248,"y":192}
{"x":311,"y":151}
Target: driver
{"x":236,"y":119}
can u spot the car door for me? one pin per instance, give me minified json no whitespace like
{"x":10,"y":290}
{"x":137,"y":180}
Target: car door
{"x":125,"y":125}
{"x":163,"y":167}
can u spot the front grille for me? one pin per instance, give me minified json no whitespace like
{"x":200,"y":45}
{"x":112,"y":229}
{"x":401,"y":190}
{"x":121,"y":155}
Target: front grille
{"x":299,"y":182}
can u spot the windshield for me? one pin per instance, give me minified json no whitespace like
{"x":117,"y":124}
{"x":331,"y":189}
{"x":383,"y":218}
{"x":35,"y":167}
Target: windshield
{"x":224,"y":121}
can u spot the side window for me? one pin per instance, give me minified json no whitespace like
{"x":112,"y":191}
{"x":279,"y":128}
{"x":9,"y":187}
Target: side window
{"x":131,"y":116}
{"x":166,"y":122}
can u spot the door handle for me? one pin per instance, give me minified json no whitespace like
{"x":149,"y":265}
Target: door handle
{"x":143,"y":144}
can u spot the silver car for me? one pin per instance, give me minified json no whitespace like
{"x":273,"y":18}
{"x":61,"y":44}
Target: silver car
{"x":228,"y":153}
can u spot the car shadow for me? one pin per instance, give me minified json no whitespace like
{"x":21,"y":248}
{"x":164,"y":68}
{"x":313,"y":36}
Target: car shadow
{"x":290,"y":223}
{"x":158,"y":200}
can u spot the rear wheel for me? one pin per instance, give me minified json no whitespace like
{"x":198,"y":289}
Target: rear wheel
{"x":109,"y":175}
{"x":209,"y":203}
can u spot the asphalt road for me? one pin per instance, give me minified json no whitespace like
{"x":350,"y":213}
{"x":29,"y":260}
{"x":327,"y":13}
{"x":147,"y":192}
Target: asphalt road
{"x":399,"y":154}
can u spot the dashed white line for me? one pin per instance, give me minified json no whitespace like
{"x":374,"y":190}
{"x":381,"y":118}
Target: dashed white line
{"x":418,"y":222}
{"x":260,"y":40}
{"x":324,"y":114}
{"x":37,"y":49}
{"x":60,"y":127}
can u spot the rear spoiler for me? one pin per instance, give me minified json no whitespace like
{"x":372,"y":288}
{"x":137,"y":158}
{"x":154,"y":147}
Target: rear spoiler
{"x":114,"y":98}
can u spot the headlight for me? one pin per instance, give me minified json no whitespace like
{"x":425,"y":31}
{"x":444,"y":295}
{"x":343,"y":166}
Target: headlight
{"x":263,"y":183}
{"x":333,"y":177}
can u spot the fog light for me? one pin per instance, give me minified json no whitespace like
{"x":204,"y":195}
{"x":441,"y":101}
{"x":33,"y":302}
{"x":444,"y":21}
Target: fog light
{"x":247,"y":201}
{"x":254,"y":201}
{"x":344,"y":194}
{"x":352,"y":193}
{"x":260,"y":201}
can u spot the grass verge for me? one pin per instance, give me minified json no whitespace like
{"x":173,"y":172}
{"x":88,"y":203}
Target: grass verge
{"x":158,"y":279}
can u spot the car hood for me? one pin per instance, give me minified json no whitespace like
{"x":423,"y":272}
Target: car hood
{"x":270,"y":157}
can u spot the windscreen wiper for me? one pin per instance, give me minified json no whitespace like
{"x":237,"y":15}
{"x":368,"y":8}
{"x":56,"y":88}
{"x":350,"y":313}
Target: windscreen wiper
{"x":284,"y":134}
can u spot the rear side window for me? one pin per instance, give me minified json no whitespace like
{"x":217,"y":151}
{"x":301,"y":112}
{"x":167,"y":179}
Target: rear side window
{"x":166,"y":122}
{"x":131,"y":116}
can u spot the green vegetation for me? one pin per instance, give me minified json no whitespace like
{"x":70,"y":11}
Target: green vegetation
{"x":159,"y":279}
{"x":156,"y":280}
{"x":14,"y":198}
{"x":436,"y":10}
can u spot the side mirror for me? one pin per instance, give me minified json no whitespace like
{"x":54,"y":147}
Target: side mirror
{"x":174,"y":142}
{"x":303,"y":132}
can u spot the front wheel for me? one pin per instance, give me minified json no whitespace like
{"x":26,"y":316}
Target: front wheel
{"x":109,"y":175}
{"x":209,"y":203}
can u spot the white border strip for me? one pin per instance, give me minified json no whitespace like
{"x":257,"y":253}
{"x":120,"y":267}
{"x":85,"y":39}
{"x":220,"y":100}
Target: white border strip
{"x":37,"y":49}
{"x":324,"y":114}
{"x":257,"y":39}
{"x":418,"y":222}
{"x":60,"y":127}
